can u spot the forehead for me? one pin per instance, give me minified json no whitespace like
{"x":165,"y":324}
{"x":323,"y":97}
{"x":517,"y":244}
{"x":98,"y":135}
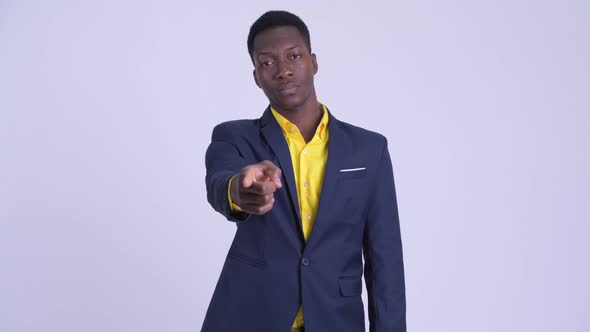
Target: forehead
{"x":277,"y":39}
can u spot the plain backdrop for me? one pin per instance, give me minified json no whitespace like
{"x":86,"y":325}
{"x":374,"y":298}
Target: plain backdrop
{"x":107,"y":108}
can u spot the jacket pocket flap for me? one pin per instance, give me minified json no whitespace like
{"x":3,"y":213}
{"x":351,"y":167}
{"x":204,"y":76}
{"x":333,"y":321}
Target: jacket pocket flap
{"x":246,"y":259}
{"x":350,"y":286}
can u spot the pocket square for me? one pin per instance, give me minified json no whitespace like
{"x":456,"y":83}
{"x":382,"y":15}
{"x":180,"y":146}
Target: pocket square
{"x":353,"y":169}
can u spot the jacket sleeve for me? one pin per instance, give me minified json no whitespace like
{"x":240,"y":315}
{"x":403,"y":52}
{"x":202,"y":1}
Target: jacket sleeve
{"x":234,"y":206}
{"x":223,"y":159}
{"x":382,"y":249}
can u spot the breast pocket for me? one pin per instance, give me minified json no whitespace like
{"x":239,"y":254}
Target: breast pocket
{"x":352,"y":173}
{"x":351,"y":192}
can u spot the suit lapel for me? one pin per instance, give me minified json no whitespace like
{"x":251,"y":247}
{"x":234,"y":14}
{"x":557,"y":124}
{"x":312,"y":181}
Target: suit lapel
{"x":276,"y":140}
{"x":338,"y":145}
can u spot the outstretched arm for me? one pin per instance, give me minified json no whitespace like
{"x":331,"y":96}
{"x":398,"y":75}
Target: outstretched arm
{"x":234,"y":189}
{"x":222,"y":161}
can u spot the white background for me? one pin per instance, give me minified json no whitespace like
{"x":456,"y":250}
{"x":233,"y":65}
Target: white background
{"x":107,"y":107}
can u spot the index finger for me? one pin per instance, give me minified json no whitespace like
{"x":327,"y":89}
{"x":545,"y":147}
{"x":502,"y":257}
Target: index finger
{"x":261,"y":188}
{"x":273,"y":172}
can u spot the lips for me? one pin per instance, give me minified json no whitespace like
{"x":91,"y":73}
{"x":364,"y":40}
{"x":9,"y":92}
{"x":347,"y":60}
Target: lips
{"x":288,"y":89}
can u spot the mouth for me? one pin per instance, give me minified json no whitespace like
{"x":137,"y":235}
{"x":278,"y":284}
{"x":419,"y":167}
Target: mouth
{"x":288,"y":89}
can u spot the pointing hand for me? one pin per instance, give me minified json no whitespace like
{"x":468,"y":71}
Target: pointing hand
{"x":253,"y":188}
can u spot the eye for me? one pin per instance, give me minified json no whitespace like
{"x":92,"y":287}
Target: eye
{"x":295,"y":56}
{"x":266,"y":63}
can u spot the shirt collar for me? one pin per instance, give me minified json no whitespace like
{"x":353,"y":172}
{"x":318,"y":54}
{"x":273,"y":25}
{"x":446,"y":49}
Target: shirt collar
{"x":289,"y":128}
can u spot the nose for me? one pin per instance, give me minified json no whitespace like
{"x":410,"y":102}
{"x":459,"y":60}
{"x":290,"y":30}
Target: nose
{"x":284,"y":70}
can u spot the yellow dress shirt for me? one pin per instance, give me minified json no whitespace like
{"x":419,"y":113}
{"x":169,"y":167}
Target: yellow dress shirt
{"x":309,"y":165}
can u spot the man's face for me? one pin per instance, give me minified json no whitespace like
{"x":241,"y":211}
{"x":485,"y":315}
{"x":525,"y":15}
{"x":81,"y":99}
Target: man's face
{"x":284,"y":67}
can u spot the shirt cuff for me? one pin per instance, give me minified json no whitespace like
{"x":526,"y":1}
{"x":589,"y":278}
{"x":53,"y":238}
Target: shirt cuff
{"x":234,"y":207}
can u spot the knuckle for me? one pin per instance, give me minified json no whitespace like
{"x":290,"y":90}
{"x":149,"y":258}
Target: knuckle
{"x":267,"y":208}
{"x":265,"y":189}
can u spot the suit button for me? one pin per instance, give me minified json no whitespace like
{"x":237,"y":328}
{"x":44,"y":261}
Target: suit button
{"x":305,"y":261}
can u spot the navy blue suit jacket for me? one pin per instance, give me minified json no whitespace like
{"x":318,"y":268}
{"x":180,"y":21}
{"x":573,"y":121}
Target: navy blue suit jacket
{"x":270,"y":270}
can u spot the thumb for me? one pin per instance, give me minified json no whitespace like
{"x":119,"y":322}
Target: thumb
{"x":248,"y":178}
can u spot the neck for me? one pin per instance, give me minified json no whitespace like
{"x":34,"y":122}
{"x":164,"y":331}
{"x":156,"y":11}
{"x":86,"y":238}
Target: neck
{"x":306,"y":117}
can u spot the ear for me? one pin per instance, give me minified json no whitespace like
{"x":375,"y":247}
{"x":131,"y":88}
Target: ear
{"x":314,"y":62}
{"x":256,"y":79}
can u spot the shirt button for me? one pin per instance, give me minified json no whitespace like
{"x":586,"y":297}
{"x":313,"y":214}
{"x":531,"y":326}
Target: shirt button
{"x":308,"y":217}
{"x":304,"y":151}
{"x":292,"y":128}
{"x":305,"y":261}
{"x":305,"y":184}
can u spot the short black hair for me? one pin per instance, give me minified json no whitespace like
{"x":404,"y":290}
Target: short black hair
{"x":277,"y":18}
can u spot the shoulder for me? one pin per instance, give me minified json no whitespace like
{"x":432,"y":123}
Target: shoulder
{"x":234,"y":129}
{"x":362,"y":137}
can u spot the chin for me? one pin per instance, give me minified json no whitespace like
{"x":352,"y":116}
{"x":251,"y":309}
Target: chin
{"x":288,"y":102}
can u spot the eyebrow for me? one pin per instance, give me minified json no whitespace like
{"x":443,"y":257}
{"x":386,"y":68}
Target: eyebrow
{"x":267,"y":52}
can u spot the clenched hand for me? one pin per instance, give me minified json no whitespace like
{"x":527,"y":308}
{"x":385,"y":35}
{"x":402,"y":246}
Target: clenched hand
{"x":253,"y":188}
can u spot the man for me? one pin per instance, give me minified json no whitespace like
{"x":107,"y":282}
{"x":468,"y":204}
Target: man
{"x":310,"y":195}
